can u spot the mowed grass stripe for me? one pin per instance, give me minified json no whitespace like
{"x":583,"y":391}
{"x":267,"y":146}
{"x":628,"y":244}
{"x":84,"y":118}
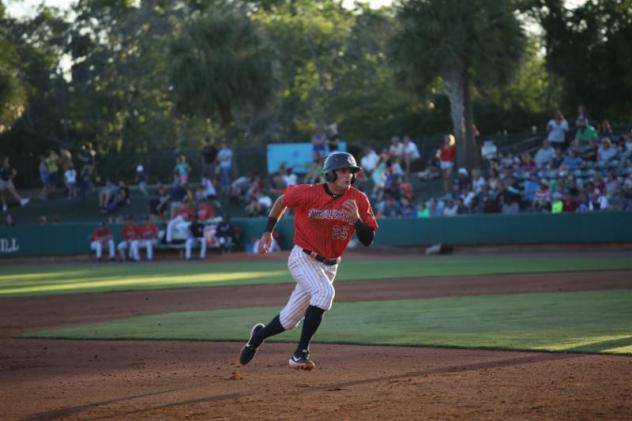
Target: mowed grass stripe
{"x":594,"y":322}
{"x":20,"y":280}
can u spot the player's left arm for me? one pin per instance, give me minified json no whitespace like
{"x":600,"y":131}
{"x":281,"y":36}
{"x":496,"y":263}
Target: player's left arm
{"x":365,"y":225}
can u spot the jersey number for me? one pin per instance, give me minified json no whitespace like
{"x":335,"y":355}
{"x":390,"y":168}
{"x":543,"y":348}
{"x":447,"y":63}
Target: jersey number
{"x":340,"y":232}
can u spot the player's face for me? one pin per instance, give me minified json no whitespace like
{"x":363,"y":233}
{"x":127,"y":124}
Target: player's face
{"x":344,"y":177}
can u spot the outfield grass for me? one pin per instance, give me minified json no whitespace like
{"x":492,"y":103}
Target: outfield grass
{"x":25,"y":280}
{"x":594,"y":322}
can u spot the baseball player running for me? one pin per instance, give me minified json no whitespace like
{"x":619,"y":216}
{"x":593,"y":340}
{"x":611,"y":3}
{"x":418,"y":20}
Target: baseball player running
{"x":326,"y":216}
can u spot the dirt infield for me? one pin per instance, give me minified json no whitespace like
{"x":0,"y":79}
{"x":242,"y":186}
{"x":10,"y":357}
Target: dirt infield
{"x":55,"y":379}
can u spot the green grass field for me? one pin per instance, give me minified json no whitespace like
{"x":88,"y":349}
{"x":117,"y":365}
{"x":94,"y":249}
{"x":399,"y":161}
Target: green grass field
{"x":595,"y":322}
{"x":49,"y":279}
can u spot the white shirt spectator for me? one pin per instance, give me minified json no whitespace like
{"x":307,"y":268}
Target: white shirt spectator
{"x":369,"y":161}
{"x":209,"y":188}
{"x":557,"y":131}
{"x":225,"y":157}
{"x":489,"y":150}
{"x":478,"y":184}
{"x":264,"y":201}
{"x":544,"y":155}
{"x":71,"y":176}
{"x":451,"y":209}
{"x":606,"y":153}
{"x":468,"y":197}
{"x":290,"y":179}
{"x":410,"y":149}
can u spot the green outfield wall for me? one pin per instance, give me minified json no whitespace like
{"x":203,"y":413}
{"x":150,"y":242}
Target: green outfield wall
{"x":614,"y":227}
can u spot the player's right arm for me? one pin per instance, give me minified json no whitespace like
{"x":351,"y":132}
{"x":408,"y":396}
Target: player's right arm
{"x":276,"y":213}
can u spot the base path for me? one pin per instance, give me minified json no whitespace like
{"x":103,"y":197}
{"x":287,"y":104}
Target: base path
{"x":62,"y":379}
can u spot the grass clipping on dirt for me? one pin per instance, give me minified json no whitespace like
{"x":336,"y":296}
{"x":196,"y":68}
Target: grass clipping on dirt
{"x":31,"y":280}
{"x":592,"y":322}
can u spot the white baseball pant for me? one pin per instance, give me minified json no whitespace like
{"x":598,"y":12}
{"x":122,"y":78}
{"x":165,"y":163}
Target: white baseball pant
{"x":189,"y":245}
{"x":97,"y":246}
{"x":314,"y":286}
{"x":133,"y":249}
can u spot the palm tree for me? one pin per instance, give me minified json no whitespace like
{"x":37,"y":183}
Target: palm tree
{"x":220,"y":63}
{"x":466,"y":44}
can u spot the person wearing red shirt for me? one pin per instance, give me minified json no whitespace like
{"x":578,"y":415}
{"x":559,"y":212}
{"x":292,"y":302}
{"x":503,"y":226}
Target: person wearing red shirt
{"x":131,"y":240}
{"x":205,"y":212}
{"x":446,"y":155}
{"x":148,"y":235}
{"x":180,"y":222}
{"x":325,"y":218}
{"x":102,"y":236}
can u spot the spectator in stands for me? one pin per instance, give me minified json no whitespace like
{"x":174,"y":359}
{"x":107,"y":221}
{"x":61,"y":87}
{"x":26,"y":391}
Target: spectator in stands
{"x":333,"y":141}
{"x":52,"y":162}
{"x":70,"y":178}
{"x":411,"y":152}
{"x":451,"y":208}
{"x":42,"y":169}
{"x":259,"y":205}
{"x":389,"y":207}
{"x":205,"y":212}
{"x":196,"y":235}
{"x":7,"y":174}
{"x":319,"y":146}
{"x":239,"y":187}
{"x":508,"y":205}
{"x":256,"y":186}
{"x":290,"y":179}
{"x":158,"y":205}
{"x":122,"y":197}
{"x":545,"y":155}
{"x":208,"y":187}
{"x":106,"y":194}
{"x":149,"y":237}
{"x":132,"y":235}
{"x":87,"y":157}
{"x":585,"y":139}
{"x":314,"y":172}
{"x":226,"y":235}
{"x":209,"y":158}
{"x":178,"y":225}
{"x":177,"y":196}
{"x":572,"y":162}
{"x":65,"y":159}
{"x":489,"y":150}
{"x":542,"y":200}
{"x":85,"y":182}
{"x":141,"y":179}
{"x":605,"y":130}
{"x":557,"y":129}
{"x":225,"y":158}
{"x":369,"y":161}
{"x":182,"y":170}
{"x":102,"y":236}
{"x":396,"y":149}
{"x":446,"y":156}
{"x":606,"y":153}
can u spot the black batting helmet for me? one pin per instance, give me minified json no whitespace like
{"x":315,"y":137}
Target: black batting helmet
{"x":338,"y":161}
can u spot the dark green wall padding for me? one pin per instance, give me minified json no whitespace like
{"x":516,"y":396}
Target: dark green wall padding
{"x":607,"y":227}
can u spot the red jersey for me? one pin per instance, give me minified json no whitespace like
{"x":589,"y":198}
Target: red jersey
{"x":447,"y":153}
{"x":186,"y":213}
{"x":130,"y":232}
{"x":101,"y":232}
{"x":205,"y":212}
{"x":320,"y":223}
{"x":149,"y":231}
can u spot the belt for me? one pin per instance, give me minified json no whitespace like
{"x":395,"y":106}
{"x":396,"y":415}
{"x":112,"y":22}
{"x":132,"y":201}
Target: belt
{"x":321,"y":259}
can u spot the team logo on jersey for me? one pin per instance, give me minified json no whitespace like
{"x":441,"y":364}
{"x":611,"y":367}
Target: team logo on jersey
{"x":334,"y":214}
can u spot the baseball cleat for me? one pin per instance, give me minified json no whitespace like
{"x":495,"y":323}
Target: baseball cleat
{"x":301,"y":361}
{"x":248,"y":351}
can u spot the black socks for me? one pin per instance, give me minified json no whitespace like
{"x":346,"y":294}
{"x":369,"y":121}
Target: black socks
{"x":271,"y":329}
{"x":313,"y":317}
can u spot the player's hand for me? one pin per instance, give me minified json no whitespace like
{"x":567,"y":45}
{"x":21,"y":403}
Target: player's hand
{"x":265,"y":242}
{"x":351,"y":209}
